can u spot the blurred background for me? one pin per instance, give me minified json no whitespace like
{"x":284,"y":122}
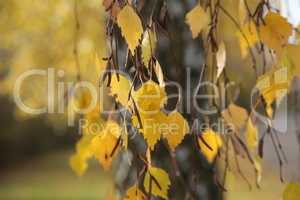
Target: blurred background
{"x":35,"y":150}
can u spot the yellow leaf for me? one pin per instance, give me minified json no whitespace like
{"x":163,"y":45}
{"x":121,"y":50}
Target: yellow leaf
{"x":276,"y":31}
{"x":248,"y":38}
{"x":176,"y":127}
{"x":78,"y":164}
{"x":83,"y":146}
{"x":251,"y":135}
{"x":149,"y":98}
{"x":148,"y":46}
{"x":221,"y":59}
{"x":82,"y":98}
{"x":120,"y":88}
{"x":159,"y":181}
{"x":197,"y":19}
{"x":78,"y":161}
{"x":105,"y":145}
{"x":152,"y":127}
{"x":131,"y":27}
{"x":236,"y":116}
{"x":159,"y":74}
{"x":210,"y":143}
{"x":274,"y":85}
{"x":134,"y":193}
{"x":93,"y":119}
{"x":291,"y":191}
{"x":258,"y":168}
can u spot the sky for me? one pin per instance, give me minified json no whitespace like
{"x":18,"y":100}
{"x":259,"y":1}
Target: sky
{"x":291,"y":9}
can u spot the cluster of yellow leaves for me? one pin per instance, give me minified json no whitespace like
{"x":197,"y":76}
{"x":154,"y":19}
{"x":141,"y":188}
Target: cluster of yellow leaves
{"x":210,"y":143}
{"x":197,"y":19}
{"x":274,"y":84}
{"x":150,"y":99}
{"x":100,"y":140}
{"x":274,"y":32}
{"x":237,"y":117}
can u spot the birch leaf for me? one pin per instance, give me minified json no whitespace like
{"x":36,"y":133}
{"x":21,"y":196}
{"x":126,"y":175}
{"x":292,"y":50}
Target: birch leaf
{"x":276,"y":31}
{"x":120,"y":88}
{"x":152,"y":127}
{"x":235,"y":115}
{"x":258,"y":168}
{"x":148,"y":46}
{"x":79,"y":161}
{"x":221,"y":59}
{"x":131,"y":27}
{"x":159,"y":181}
{"x":134,"y":193}
{"x":248,"y":38}
{"x":251,"y":135}
{"x":159,"y":74}
{"x":210,"y":143}
{"x":197,"y":19}
{"x":274,"y":85}
{"x":177,"y":128}
{"x":105,"y":145}
{"x":78,"y":164}
{"x":150,"y":97}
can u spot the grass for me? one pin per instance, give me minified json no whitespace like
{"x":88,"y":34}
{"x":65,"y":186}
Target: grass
{"x":51,"y":178}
